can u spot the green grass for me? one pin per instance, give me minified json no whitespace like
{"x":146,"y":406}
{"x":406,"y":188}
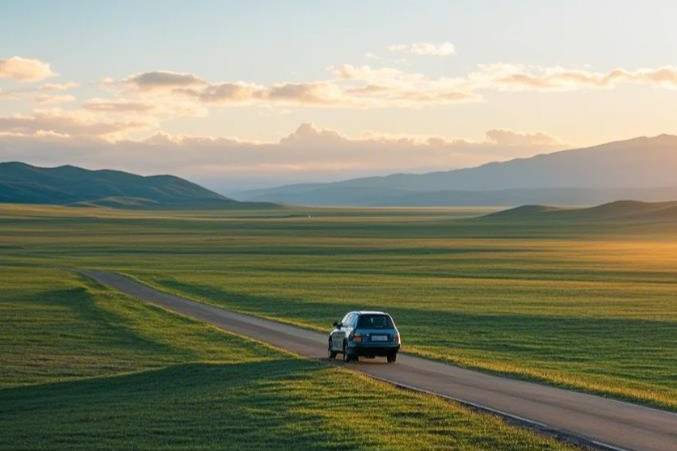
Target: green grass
{"x":84,"y":367}
{"x":587,"y":306}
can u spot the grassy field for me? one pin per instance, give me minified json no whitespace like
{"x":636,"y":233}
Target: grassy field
{"x":84,"y":367}
{"x":581,"y":305}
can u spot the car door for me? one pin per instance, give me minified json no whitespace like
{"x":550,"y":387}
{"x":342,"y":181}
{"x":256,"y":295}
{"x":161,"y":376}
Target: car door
{"x":349,"y":325}
{"x":338,"y":335}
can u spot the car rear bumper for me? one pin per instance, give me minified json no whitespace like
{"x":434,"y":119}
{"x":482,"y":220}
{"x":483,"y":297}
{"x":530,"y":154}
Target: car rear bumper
{"x":371,"y":350}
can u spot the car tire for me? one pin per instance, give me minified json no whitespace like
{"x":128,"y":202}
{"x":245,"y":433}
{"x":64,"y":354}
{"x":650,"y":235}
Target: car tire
{"x":392,"y":358}
{"x":332,"y":354}
{"x":347,"y":357}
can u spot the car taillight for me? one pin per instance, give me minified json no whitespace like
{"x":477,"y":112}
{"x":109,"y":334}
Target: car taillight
{"x":396,"y":338}
{"x":357,"y":338}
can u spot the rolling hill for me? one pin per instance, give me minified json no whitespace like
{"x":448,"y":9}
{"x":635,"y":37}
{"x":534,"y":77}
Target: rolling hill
{"x":641,"y":168}
{"x":624,"y":210}
{"x":70,"y":185}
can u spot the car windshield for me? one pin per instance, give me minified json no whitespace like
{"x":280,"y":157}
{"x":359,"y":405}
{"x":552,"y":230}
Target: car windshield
{"x":374,"y":322}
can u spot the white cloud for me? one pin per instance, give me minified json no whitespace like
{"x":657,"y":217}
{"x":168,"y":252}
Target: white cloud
{"x":425,"y":49}
{"x":503,"y":137}
{"x":351,"y":87}
{"x":46,"y":94}
{"x":67,"y":123}
{"x":308,"y":154}
{"x":516,"y":77}
{"x":140,"y":103}
{"x":315,"y":93}
{"x":58,"y":87}
{"x":54,"y":99}
{"x":365,"y":86}
{"x":162,"y":81}
{"x":224,"y":93}
{"x":116,"y":106}
{"x":24,"y":69}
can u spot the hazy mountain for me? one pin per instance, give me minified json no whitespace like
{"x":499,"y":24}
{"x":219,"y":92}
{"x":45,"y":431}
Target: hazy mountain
{"x":23,"y":183}
{"x":641,"y":168}
{"x":625,"y":210}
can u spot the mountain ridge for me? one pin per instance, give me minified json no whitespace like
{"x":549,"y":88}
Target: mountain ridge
{"x":72,"y":185}
{"x":603,"y":170}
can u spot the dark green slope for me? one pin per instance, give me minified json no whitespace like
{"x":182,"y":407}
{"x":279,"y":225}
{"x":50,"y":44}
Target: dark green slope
{"x":63,"y":185}
{"x":624,"y":210}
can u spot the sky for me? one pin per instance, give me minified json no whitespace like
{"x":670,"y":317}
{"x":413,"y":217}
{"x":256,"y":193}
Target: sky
{"x":240,"y":95}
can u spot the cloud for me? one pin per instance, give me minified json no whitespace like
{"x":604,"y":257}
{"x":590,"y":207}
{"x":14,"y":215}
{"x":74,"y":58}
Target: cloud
{"x":46,"y":94}
{"x":54,"y":99}
{"x":59,"y":87}
{"x":386,"y":75}
{"x":224,"y":93}
{"x":139,"y":103}
{"x":389,"y":86}
{"x":162,"y":81}
{"x":314,"y":93}
{"x":306,"y":93}
{"x":425,"y":49}
{"x":309,"y":153}
{"x":365,"y":86}
{"x":308,"y":135}
{"x":514,"y":77}
{"x":503,"y":137}
{"x":66,"y":123}
{"x":116,"y":106}
{"x":351,"y":87}
{"x":24,"y":69}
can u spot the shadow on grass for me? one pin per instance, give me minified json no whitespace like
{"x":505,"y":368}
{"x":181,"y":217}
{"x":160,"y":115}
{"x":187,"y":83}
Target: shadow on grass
{"x":185,"y":406}
{"x":82,"y":304}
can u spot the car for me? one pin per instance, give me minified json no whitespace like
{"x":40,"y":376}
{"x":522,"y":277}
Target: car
{"x":365,"y":334}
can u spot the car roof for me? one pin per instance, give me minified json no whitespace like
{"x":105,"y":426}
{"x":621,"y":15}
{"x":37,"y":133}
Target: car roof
{"x":370,"y":312}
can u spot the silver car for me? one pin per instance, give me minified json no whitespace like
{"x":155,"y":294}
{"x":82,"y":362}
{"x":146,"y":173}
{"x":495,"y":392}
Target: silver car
{"x":367,"y":334}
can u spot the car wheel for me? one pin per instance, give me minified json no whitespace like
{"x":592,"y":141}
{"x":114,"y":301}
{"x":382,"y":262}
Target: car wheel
{"x":346,"y":356}
{"x":332,"y":354}
{"x":392,"y":357}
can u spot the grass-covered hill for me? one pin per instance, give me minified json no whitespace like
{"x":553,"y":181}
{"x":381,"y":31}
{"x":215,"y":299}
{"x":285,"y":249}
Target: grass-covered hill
{"x":64,"y":185}
{"x":623,"y":210}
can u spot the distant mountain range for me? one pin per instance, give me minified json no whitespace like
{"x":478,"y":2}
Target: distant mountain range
{"x":624,"y":210}
{"x":641,"y":168}
{"x":70,"y":185}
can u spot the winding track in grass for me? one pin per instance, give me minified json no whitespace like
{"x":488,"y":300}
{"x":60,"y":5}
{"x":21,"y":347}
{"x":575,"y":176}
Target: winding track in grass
{"x":588,"y":419}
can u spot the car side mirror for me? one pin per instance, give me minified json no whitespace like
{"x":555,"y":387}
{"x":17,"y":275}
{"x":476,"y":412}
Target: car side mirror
{"x":337,"y":324}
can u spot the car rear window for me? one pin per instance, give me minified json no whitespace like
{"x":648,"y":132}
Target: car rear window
{"x":374,"y":322}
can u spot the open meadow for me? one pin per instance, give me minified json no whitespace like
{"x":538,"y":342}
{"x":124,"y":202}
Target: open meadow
{"x":85,"y":367}
{"x":591,"y":307}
